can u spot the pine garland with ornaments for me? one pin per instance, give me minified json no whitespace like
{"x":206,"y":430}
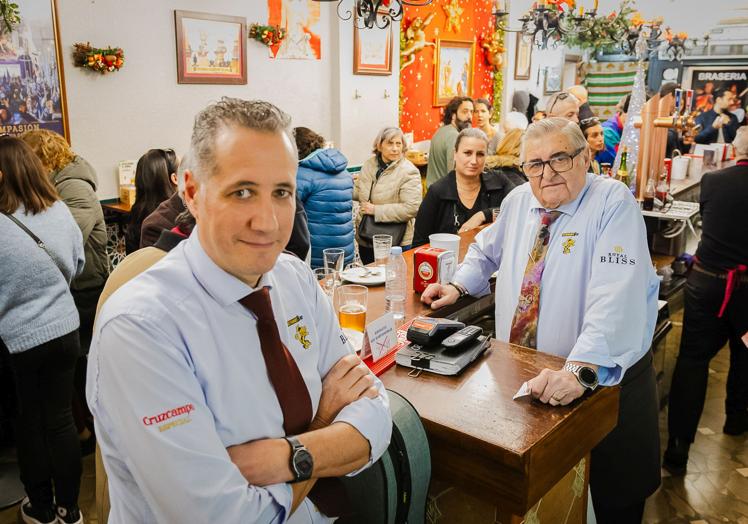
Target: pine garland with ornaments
{"x":267,"y":34}
{"x":106,"y":60}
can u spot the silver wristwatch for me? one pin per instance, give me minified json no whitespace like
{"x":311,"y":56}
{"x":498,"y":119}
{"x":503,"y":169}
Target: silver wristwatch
{"x":586,"y":376}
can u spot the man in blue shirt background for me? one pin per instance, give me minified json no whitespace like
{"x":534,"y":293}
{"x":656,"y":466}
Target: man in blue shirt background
{"x":189,"y":418}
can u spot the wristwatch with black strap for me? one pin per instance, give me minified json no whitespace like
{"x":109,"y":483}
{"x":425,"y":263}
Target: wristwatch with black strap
{"x":301,"y":462}
{"x":586,"y":376}
{"x":460,"y":288}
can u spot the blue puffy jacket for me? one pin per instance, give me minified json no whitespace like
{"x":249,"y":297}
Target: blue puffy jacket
{"x":326,"y":189}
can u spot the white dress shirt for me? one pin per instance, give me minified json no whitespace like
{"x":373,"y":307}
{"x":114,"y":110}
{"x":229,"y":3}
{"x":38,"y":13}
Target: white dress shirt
{"x":598,"y":294}
{"x":176,"y":375}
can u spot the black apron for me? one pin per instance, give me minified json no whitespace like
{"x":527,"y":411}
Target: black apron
{"x":625,"y":466}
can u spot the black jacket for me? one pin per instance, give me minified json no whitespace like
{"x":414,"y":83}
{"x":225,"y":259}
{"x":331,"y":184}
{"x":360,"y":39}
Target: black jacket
{"x":441,"y":211}
{"x":708,"y":134}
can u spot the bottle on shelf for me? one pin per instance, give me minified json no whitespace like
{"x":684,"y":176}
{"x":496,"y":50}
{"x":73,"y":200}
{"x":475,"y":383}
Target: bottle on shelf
{"x":623,"y":172}
{"x":649,"y":195}
{"x":396,"y":284}
{"x":663,"y":188}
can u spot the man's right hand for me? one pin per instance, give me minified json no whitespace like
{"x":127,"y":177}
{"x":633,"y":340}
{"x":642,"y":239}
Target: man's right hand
{"x":347,"y":381}
{"x":439,"y":296}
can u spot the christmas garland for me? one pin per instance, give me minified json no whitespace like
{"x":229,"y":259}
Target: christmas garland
{"x":102,"y":61}
{"x":10,"y":14}
{"x":267,"y":34}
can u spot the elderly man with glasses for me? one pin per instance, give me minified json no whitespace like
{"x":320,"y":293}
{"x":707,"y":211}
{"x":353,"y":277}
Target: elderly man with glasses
{"x":575,"y":279}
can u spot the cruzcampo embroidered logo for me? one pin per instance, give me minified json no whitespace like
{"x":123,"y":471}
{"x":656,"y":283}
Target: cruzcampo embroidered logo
{"x":294,"y":320}
{"x":567,"y":245}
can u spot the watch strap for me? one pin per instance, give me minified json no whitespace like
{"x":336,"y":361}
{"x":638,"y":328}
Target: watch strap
{"x":460,"y":288}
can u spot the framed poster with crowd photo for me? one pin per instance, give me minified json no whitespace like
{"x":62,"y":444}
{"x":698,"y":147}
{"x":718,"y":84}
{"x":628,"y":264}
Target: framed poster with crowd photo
{"x":704,"y":80}
{"x":32,"y":82}
{"x":211,"y":49}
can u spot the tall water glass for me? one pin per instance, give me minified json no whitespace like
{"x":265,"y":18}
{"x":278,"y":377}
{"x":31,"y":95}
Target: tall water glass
{"x":382,"y":245}
{"x":333,"y":259}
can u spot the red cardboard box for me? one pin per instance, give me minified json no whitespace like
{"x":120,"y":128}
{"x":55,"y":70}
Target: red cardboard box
{"x":431,"y":265}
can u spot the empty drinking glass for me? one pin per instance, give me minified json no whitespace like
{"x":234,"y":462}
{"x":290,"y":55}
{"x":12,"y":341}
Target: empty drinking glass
{"x":334,"y":258}
{"x":382,"y":245}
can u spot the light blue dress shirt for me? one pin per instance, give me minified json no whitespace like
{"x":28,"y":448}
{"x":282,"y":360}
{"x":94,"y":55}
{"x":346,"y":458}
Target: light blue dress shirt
{"x":598,"y":294}
{"x":176,"y":375}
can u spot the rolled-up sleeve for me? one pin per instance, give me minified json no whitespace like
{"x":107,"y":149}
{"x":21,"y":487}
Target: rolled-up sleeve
{"x":146,"y":399}
{"x":370,"y":417}
{"x":621,"y":297}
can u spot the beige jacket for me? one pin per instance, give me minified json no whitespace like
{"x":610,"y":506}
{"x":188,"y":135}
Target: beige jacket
{"x":396,"y":195}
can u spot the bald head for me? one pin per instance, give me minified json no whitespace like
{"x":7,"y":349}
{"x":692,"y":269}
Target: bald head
{"x":564,"y":105}
{"x":580,"y":92}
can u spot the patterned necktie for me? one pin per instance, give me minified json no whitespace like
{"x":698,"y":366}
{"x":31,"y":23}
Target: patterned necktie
{"x":525,"y":322}
{"x":289,"y":386}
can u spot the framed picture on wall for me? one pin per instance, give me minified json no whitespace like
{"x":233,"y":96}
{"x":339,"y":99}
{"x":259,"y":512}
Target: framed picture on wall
{"x":453,"y":73}
{"x":32,"y":82}
{"x":211,"y":49}
{"x":372,"y":50}
{"x":522,"y":58}
{"x":552,"y":82}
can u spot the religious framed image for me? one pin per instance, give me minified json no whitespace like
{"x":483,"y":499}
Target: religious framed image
{"x":32,"y":81}
{"x":372,"y":50}
{"x":301,"y":20}
{"x":552,"y":82}
{"x":704,"y":80}
{"x":211,"y":49}
{"x":522,"y":58}
{"x":453,"y":73}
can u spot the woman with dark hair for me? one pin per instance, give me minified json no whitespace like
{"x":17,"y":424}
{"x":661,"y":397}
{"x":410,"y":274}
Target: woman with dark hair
{"x":41,"y":253}
{"x":172,"y":164}
{"x":326,"y":190}
{"x":482,"y":115}
{"x":152,"y":186}
{"x":465,"y":198}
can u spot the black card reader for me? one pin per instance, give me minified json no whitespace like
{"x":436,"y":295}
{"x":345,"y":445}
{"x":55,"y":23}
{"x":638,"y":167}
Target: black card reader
{"x":428,"y":331}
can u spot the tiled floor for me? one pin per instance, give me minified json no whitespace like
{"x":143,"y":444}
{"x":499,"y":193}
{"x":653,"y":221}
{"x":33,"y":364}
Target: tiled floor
{"x":715,"y":490}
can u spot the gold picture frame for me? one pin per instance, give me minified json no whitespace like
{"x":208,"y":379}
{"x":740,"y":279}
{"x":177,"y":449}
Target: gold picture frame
{"x":372,"y":50}
{"x":449,"y":80}
{"x":522,"y":58}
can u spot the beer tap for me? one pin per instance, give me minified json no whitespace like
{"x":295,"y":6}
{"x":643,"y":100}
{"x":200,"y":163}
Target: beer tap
{"x":684,"y":116}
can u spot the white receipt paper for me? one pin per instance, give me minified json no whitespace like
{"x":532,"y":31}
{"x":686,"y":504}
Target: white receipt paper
{"x":524,"y":391}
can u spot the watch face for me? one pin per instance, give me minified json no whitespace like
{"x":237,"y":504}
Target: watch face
{"x":303,"y":463}
{"x":588,"y":375}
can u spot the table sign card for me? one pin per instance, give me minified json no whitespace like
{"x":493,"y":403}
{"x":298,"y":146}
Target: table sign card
{"x":379,"y":337}
{"x":127,"y":172}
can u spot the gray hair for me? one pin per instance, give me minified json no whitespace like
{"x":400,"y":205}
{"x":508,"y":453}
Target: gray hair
{"x":184,"y":165}
{"x":228,"y":112}
{"x":550,"y":126}
{"x":470,"y":132}
{"x":515,"y":120}
{"x":386,"y":134}
{"x":741,"y":142}
{"x":560,"y":98}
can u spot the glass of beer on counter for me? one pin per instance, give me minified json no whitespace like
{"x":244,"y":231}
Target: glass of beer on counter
{"x":351,"y":305}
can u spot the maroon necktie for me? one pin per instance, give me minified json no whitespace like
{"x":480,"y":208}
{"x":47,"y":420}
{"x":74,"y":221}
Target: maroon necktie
{"x":284,"y":374}
{"x":293,"y":396}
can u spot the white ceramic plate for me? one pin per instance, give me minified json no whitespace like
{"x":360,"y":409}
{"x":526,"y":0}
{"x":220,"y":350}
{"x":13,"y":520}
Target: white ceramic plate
{"x":367,"y":276}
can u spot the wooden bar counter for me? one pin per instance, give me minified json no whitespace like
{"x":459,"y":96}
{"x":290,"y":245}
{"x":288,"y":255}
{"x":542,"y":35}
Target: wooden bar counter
{"x":507,"y":454}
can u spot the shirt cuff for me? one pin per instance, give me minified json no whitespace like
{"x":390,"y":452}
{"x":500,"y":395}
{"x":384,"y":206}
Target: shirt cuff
{"x":472,"y":281}
{"x":371,"y":418}
{"x":283,"y":496}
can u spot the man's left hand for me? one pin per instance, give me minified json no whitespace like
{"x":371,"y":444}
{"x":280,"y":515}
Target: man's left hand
{"x":557,"y":388}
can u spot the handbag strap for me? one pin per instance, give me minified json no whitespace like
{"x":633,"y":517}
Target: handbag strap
{"x":39,"y":241}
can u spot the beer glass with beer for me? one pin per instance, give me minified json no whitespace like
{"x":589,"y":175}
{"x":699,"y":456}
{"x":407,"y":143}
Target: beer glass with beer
{"x":351,"y":306}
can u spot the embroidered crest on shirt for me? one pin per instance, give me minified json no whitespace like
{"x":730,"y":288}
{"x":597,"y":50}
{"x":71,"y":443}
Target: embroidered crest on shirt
{"x":617,"y":256}
{"x":567,"y":245}
{"x":301,"y":335}
{"x":294,"y":320}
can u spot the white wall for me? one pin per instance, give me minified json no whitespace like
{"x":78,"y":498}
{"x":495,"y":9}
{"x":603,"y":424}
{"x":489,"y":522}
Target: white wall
{"x":120,"y":115}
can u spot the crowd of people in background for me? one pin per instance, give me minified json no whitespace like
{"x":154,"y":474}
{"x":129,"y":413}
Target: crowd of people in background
{"x":473,"y":165}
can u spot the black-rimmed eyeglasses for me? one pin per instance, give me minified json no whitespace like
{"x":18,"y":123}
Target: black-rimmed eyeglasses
{"x":559,"y":163}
